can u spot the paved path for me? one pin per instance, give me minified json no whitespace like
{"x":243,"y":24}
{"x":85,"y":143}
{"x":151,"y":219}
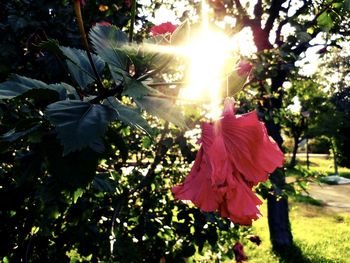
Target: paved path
{"x":335,"y":197}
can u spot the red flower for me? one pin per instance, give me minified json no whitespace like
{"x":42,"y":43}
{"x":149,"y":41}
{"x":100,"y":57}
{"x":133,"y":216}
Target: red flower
{"x":82,"y":2}
{"x":163,"y":29}
{"x":236,"y":153}
{"x":244,"y":68}
{"x":239,"y":253}
{"x":102,"y":23}
{"x":128,"y":3}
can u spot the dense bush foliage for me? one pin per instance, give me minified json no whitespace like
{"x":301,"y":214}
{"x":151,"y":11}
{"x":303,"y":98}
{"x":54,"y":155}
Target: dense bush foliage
{"x":86,"y":175}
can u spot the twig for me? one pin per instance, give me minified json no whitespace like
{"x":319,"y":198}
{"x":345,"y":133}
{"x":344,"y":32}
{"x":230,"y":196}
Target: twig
{"x":132,"y":20}
{"x":77,"y":10}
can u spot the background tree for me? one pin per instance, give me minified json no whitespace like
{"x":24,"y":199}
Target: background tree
{"x":282,"y":31}
{"x":335,"y":69}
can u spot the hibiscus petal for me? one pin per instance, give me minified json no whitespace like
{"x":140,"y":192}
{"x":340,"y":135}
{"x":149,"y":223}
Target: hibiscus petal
{"x":240,"y":203}
{"x":198,"y":187}
{"x":250,"y":148}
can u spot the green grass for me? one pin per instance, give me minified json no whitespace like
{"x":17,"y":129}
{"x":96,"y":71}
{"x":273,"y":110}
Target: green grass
{"x":320,"y":236}
{"x":324,"y":166}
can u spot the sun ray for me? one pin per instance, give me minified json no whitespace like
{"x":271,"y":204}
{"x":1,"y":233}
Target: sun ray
{"x":211,"y":57}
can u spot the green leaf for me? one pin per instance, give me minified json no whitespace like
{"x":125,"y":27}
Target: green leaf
{"x":134,"y":88}
{"x":18,"y":85}
{"x":77,"y":194}
{"x":129,"y":115}
{"x":14,"y":135}
{"x":325,"y":21}
{"x":79,"y":65}
{"x":107,"y":42}
{"x":303,"y":36}
{"x":51,"y":45}
{"x":162,"y":108}
{"x":71,"y":91}
{"x":234,"y":83}
{"x":80,"y":124}
{"x":103,"y":183}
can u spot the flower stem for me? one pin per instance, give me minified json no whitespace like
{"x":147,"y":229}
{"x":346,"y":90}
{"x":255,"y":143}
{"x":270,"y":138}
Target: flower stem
{"x":132,"y":21}
{"x":79,"y":17}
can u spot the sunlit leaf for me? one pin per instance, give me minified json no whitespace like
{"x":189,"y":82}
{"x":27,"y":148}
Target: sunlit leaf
{"x":234,"y":84}
{"x":181,"y":34}
{"x":163,"y":108}
{"x":128,"y":115}
{"x":134,"y":88}
{"x":325,"y":21}
{"x":107,"y":42}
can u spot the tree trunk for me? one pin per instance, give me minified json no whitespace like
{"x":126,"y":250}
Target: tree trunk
{"x":278,"y":219}
{"x":334,"y":158}
{"x":293,"y":161}
{"x":277,"y":204}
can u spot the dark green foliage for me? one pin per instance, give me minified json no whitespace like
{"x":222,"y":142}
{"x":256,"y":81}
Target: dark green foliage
{"x":18,"y":85}
{"x":79,"y":123}
{"x":342,"y":142}
{"x":85,"y":172}
{"x":80,"y":67}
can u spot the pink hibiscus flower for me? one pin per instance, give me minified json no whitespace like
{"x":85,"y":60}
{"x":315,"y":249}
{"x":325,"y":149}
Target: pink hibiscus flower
{"x":236,"y":153}
{"x":163,"y":29}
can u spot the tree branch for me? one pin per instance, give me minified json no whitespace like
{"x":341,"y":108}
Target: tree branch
{"x":274,"y":10}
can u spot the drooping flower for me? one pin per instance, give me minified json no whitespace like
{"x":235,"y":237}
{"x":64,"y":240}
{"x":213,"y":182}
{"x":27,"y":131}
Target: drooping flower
{"x":244,"y":68}
{"x":163,"y":29}
{"x":236,"y":153}
{"x":240,"y":256}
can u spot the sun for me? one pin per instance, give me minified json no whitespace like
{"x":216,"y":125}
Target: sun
{"x":211,"y":55}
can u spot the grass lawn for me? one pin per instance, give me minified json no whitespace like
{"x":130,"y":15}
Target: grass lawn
{"x":320,"y":235}
{"x":322,"y":165}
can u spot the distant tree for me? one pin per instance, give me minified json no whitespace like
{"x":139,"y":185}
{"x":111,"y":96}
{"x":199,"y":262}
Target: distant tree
{"x":335,"y":70}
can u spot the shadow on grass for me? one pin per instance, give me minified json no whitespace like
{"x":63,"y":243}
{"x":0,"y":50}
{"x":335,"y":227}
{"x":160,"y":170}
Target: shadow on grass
{"x":294,"y":254}
{"x":306,"y":199}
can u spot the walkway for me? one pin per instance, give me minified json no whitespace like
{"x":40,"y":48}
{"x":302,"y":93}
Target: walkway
{"x":335,"y":197}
